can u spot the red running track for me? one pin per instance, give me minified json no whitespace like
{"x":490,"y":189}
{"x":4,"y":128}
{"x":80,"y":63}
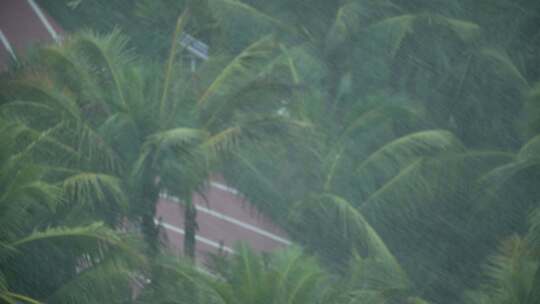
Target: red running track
{"x":224,"y":218}
{"x":24,"y":24}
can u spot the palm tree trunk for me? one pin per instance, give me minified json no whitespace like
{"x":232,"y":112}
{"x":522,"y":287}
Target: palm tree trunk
{"x":150,"y":196}
{"x":190,"y":228}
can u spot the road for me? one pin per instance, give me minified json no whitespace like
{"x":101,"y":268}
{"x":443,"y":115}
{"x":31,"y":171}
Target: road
{"x":224,"y":218}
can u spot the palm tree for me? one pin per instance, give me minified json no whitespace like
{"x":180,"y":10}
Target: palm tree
{"x":50,"y":251}
{"x":148,"y":131}
{"x":285,"y":276}
{"x":377,"y":168}
{"x":513,"y":273}
{"x":226,"y":119}
{"x":401,"y":172}
{"x":513,"y":182}
{"x":246,"y":277}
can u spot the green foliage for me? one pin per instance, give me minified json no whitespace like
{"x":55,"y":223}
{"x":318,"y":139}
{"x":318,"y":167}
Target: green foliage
{"x":45,"y":254}
{"x":512,"y":275}
{"x":288,"y":276}
{"x":397,"y":141}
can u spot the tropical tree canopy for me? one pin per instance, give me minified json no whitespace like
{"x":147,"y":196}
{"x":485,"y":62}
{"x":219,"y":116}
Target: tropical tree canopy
{"x":396,"y":142}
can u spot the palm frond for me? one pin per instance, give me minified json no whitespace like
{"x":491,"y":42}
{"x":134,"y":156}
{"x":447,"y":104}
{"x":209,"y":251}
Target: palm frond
{"x":106,"y":55}
{"x":526,"y":160}
{"x":90,"y":260}
{"x":467,"y":31}
{"x":224,"y":141}
{"x":64,"y":67}
{"x":14,"y":298}
{"x":180,"y":23}
{"x":91,"y":189}
{"x":510,"y":275}
{"x":514,"y":181}
{"x":42,"y":90}
{"x":223,"y":9}
{"x":395,"y":30}
{"x":300,"y":278}
{"x":428,"y":179}
{"x":504,"y":65}
{"x":533,"y":237}
{"x":240,"y":71}
{"x":377,"y":115}
{"x":287,"y":276}
{"x":95,"y":231}
{"x":43,"y":147}
{"x":427,"y":199}
{"x":11,"y":297}
{"x":346,"y":23}
{"x":111,"y":281}
{"x":94,"y":240}
{"x":532,"y":109}
{"x":352,"y":233}
{"x":176,"y":136}
{"x":23,"y":111}
{"x":390,"y":159}
{"x":531,"y":149}
{"x":74,"y":129}
{"x":246,"y":274}
{"x":171,"y":141}
{"x":179,"y":281}
{"x":25,"y":186}
{"x":355,"y":16}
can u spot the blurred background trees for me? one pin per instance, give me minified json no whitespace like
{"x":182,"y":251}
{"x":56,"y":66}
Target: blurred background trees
{"x":396,"y":141}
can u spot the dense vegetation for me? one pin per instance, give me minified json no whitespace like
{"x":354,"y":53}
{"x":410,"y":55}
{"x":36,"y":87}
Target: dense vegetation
{"x":398,"y":143}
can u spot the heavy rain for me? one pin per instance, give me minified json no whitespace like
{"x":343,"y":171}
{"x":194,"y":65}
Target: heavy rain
{"x":270,"y":151}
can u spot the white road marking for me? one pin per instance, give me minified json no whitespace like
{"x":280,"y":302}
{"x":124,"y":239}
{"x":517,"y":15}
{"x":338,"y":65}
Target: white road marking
{"x":44,"y":20}
{"x":232,"y":220}
{"x":198,"y":238}
{"x":223,"y":187}
{"x":243,"y":225}
{"x":7,"y":45}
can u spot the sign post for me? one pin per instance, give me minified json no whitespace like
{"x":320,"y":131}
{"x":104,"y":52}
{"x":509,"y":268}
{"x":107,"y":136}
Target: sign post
{"x":196,"y":48}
